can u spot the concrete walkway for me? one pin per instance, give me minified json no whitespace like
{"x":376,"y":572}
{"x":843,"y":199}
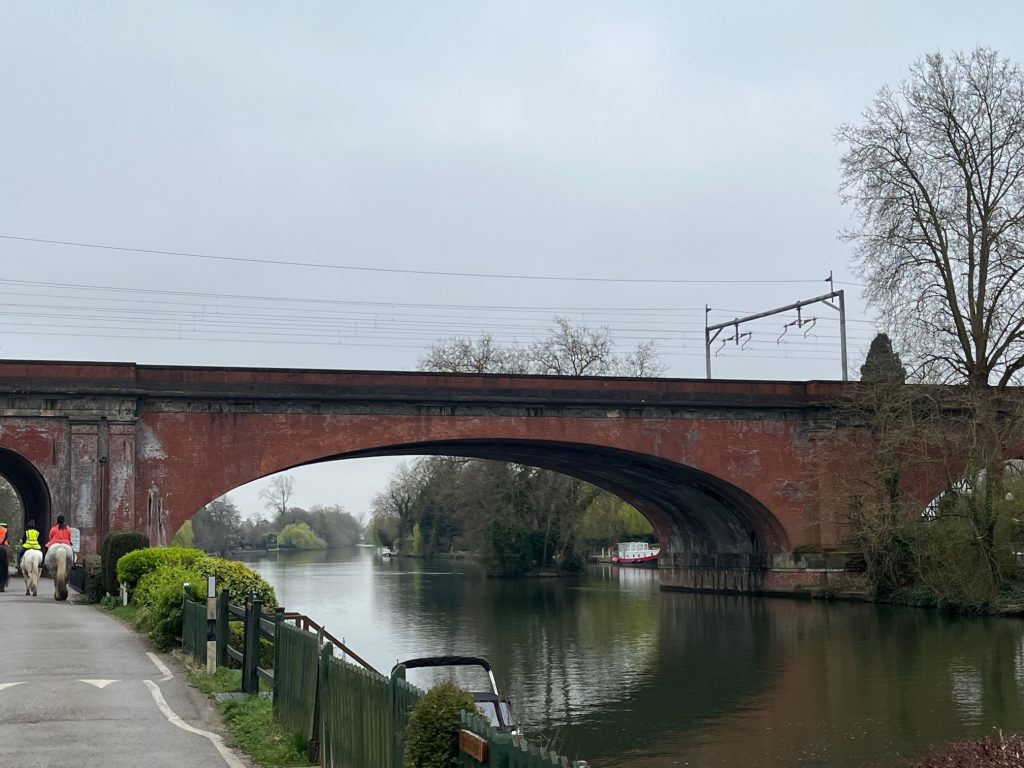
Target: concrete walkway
{"x":79,"y":688}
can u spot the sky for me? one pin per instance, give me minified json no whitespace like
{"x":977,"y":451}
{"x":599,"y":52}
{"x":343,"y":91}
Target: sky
{"x":340,"y":185}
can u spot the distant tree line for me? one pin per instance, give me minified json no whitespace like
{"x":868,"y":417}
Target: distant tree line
{"x":220,"y":528}
{"x":519,"y":518}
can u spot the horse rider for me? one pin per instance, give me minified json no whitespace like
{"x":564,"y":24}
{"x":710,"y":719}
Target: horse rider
{"x":30,"y":538}
{"x":4,"y":535}
{"x":59,"y":534}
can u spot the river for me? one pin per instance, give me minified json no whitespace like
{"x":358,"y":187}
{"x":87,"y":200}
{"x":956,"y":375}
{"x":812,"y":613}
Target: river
{"x":607,"y":668}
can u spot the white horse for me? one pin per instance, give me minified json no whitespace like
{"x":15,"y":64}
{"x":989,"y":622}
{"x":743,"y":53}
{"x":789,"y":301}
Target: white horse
{"x":59,"y":558}
{"x":31,"y":568}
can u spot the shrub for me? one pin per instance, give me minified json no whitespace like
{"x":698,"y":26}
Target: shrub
{"x":115,"y":545}
{"x":299,"y":536}
{"x":133,"y":566}
{"x":432,"y":736}
{"x":158,"y":595}
{"x":237,"y":580}
{"x":94,"y":578}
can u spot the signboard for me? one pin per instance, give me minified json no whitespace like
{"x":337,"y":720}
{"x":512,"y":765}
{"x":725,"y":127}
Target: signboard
{"x":76,"y":540}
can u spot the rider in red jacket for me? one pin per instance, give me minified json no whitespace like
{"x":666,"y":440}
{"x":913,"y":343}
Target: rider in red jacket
{"x":59,"y":534}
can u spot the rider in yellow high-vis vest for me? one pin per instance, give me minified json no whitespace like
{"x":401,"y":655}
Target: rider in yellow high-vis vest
{"x":30,"y":539}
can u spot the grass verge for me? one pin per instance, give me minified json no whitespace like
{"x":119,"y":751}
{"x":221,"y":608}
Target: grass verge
{"x":251,"y":721}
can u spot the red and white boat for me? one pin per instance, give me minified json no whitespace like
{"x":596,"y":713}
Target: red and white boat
{"x":636,"y":553}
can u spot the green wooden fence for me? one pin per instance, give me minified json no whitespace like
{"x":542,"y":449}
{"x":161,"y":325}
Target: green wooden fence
{"x":193,"y":635}
{"x":296,"y":658}
{"x":363,"y":715}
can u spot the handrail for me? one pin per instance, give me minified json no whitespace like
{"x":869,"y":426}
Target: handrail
{"x":304,"y":622}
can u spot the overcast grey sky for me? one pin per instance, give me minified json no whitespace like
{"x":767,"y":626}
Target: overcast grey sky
{"x":657,"y":141}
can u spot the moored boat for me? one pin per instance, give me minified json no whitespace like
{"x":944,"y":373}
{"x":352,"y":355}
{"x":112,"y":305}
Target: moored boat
{"x":636,"y":553}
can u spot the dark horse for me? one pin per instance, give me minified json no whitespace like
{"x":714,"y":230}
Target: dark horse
{"x":5,"y":555}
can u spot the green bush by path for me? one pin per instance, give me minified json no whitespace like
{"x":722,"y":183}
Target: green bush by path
{"x":238,"y":580}
{"x":133,"y":566}
{"x":432,"y":737}
{"x":159,"y":595}
{"x":115,"y":546}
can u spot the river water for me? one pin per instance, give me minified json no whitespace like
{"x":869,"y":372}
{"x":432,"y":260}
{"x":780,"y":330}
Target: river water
{"x":608,"y":668}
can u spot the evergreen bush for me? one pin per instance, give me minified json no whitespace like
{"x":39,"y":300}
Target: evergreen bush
{"x":432,"y":736}
{"x":116,"y":545}
{"x":133,"y":566}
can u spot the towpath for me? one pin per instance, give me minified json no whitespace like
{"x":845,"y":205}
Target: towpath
{"x":78,"y":687}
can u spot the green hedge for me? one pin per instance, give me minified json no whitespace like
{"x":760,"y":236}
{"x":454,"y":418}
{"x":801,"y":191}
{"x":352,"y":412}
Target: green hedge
{"x":159,"y":590}
{"x":133,"y":566}
{"x":159,"y":594}
{"x":238,"y":580}
{"x":115,"y":546}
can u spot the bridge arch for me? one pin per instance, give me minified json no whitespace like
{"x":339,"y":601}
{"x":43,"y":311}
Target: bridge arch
{"x":692,"y":511}
{"x":31,"y":487}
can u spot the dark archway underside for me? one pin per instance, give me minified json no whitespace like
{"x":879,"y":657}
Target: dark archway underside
{"x":30,"y":487}
{"x":691,"y":511}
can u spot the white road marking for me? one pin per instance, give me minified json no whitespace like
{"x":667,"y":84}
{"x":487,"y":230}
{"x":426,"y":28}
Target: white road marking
{"x":173,"y":719}
{"x":9,"y":685}
{"x":101,"y":684}
{"x":167,"y":674}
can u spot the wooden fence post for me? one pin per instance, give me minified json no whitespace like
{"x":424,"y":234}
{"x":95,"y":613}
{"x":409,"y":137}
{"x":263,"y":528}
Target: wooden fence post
{"x":251,"y":646}
{"x":278,"y":621}
{"x":325,"y":731}
{"x":223,"y":622}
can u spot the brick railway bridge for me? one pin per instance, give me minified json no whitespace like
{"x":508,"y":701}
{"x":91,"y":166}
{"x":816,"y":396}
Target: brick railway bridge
{"x":732,"y":474}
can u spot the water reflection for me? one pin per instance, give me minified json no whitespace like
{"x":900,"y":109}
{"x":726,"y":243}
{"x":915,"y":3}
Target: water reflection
{"x":612,"y":670}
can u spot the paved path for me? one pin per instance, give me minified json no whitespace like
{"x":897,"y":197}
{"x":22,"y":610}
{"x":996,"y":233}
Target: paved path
{"x":79,"y":688}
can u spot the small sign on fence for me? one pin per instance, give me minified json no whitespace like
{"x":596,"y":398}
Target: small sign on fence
{"x":474,"y":746}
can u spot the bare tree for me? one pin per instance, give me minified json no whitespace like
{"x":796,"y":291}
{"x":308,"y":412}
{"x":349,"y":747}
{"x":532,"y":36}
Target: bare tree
{"x":482,"y":355}
{"x":935,"y":172}
{"x":277,"y":495}
{"x":569,"y":350}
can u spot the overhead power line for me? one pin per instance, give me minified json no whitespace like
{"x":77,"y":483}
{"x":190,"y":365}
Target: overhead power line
{"x":393,"y":270}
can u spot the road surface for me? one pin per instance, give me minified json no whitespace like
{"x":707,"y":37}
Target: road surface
{"x":79,"y":688}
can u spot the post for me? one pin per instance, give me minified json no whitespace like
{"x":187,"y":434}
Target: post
{"x":278,"y":623}
{"x":842,"y":329}
{"x":251,"y":643}
{"x":211,"y":624}
{"x":707,"y":340}
{"x":223,"y":622}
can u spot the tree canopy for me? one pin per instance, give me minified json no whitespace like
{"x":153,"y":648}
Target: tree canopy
{"x":935,"y":174}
